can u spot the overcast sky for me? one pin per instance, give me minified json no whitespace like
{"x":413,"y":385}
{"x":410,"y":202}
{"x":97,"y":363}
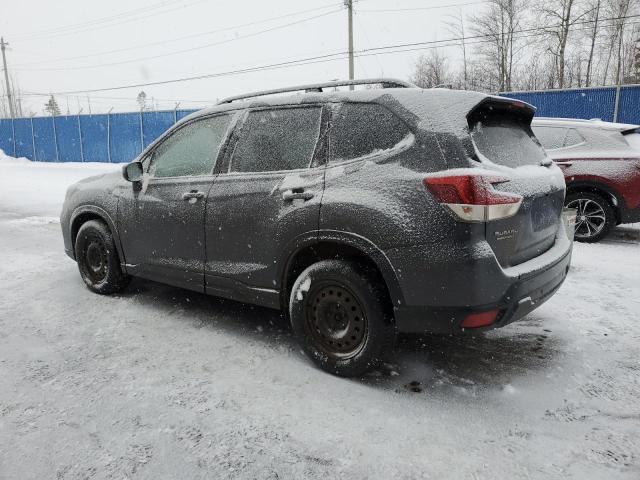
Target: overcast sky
{"x":149,"y":38}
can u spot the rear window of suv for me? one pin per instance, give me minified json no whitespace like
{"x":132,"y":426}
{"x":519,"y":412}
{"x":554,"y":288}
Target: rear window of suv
{"x":361,"y":129}
{"x":506,"y":141}
{"x":277,"y":139}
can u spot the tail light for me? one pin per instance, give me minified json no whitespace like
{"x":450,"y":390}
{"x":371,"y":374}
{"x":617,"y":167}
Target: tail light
{"x":472,"y":198}
{"x":477,"y":320}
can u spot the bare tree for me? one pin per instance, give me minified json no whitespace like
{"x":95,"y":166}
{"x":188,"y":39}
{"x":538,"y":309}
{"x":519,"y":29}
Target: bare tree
{"x":558,"y":18}
{"x":536,"y":45}
{"x":593,"y":16}
{"x":455,"y":26}
{"x":618,"y":12}
{"x":499,"y":43}
{"x":631,"y":56}
{"x":431,"y":70}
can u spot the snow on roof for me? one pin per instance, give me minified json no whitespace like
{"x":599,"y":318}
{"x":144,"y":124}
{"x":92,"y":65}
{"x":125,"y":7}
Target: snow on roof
{"x":578,"y":122}
{"x":406,"y":96}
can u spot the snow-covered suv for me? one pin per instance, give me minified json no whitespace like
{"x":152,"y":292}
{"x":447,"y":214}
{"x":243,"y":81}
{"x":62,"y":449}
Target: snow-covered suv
{"x":601,"y":165}
{"x":360,"y":213}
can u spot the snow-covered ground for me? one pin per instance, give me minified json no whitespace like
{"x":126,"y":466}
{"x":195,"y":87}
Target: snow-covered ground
{"x":164,"y":383}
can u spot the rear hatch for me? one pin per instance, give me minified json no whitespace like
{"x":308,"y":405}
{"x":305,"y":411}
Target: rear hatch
{"x":504,"y":143}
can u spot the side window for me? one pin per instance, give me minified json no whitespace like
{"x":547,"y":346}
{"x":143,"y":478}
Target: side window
{"x":550,"y":137}
{"x":573,"y":138}
{"x":277,"y":139}
{"x":192,"y":150}
{"x":360,"y":129}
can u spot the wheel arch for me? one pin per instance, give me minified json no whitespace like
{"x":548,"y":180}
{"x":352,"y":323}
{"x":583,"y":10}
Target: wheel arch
{"x":338,"y":245}
{"x":605,"y":191}
{"x":83,"y":214}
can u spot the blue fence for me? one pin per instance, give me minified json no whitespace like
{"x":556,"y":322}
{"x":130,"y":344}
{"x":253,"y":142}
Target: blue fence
{"x":115,"y":137}
{"x":606,"y":103}
{"x":120,"y":137}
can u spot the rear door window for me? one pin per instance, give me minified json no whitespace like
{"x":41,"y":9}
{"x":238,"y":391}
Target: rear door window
{"x":361,"y":129}
{"x":573,"y":138}
{"x":191,"y":150}
{"x":506,"y":141}
{"x":277,"y":139}
{"x":550,"y":137}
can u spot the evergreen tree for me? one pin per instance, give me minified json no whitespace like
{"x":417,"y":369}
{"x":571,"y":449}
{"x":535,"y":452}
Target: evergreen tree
{"x":142,"y":100}
{"x":51,"y":107}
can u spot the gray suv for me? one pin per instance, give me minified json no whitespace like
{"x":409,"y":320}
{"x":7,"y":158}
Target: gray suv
{"x":359,"y":213}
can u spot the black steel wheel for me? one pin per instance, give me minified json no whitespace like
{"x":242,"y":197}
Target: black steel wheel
{"x":340,"y":312}
{"x":335,"y":320}
{"x":594,"y":216}
{"x":95,"y":258}
{"x":98,"y":259}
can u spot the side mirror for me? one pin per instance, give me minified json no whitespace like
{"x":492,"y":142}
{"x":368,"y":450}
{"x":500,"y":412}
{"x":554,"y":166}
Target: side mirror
{"x":132,"y":172}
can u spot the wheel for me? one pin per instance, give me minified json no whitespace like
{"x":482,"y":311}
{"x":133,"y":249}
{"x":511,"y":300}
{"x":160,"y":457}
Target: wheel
{"x":98,"y":260}
{"x":341,"y":315}
{"x":595,"y":216}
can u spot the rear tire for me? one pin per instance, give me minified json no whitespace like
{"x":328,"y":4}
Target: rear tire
{"x":340,"y":313}
{"x":98,"y":260}
{"x":595,"y":217}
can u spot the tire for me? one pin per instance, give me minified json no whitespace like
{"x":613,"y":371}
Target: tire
{"x":340,"y":313}
{"x":595,"y":217}
{"x":98,"y":260}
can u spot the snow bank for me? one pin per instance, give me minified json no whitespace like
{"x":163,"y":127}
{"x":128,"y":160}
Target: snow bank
{"x":38,"y":188}
{"x":4,"y":159}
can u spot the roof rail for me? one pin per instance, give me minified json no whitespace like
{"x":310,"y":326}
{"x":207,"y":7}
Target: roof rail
{"x":317,"y":87}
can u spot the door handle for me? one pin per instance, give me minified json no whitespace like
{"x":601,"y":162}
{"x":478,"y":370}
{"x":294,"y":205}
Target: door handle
{"x":564,"y":164}
{"x":192,"y":195}
{"x":290,"y":195}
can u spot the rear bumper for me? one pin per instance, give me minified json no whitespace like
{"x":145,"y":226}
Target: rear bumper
{"x":515,"y":292}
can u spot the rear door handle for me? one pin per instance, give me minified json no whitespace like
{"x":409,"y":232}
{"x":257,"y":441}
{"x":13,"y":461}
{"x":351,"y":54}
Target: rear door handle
{"x":192,"y":195}
{"x":294,"y":194}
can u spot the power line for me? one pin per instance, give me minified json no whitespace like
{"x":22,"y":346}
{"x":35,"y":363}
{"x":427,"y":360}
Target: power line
{"x":283,"y":65}
{"x":104,"y":22}
{"x":123,"y":99}
{"x":396,"y":48}
{"x":185,"y":37}
{"x":191,"y":49}
{"x":415,"y":9}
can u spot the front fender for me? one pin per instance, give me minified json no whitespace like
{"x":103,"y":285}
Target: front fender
{"x":95,"y":211}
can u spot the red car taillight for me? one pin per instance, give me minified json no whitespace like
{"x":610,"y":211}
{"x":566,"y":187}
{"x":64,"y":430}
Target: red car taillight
{"x":477,"y":320}
{"x":472,"y":198}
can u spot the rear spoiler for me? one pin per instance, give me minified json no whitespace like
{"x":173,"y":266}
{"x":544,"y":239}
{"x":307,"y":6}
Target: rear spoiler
{"x":491,"y":104}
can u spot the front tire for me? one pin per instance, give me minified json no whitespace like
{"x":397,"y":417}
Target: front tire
{"x":340,"y":313}
{"x":98,"y":260}
{"x":595,"y":216}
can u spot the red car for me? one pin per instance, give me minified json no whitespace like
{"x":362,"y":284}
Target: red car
{"x":601,"y":164}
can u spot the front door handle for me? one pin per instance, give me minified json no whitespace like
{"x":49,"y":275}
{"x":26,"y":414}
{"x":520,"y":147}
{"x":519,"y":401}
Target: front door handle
{"x":290,"y":195}
{"x":192,"y":195}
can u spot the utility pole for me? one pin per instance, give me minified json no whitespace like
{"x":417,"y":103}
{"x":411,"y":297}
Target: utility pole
{"x":636,"y":61}
{"x":349,"y":5}
{"x":3,"y":45}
